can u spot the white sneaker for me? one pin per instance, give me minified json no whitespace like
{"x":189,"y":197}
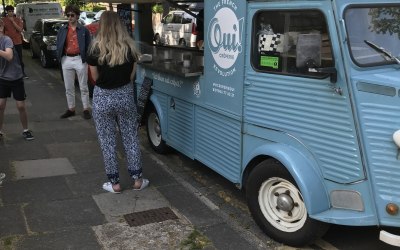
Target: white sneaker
{"x":2,"y":177}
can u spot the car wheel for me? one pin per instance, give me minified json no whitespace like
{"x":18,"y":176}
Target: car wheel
{"x":157,"y":39}
{"x":182,"y":42}
{"x":43,"y":59}
{"x":33,"y":55}
{"x":154,"y":133}
{"x":277,"y":205}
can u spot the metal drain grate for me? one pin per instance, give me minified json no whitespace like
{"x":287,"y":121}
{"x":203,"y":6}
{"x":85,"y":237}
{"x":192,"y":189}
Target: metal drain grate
{"x":150,"y":216}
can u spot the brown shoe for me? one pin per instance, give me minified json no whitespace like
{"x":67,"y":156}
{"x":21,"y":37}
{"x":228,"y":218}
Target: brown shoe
{"x":67,"y":114}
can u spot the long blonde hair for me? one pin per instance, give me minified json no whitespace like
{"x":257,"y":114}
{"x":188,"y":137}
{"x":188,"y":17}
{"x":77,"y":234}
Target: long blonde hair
{"x":113,"y":42}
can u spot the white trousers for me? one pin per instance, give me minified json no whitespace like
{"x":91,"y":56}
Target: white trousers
{"x":70,"y":67}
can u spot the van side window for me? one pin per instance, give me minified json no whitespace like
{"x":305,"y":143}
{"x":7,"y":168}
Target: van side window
{"x":291,"y":42}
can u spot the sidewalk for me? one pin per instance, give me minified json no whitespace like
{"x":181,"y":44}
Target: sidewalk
{"x":52,"y":198}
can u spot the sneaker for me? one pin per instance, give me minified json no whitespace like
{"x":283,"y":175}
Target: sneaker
{"x":28,"y":135}
{"x":26,"y":76}
{"x":86,"y":115}
{"x":67,"y":114}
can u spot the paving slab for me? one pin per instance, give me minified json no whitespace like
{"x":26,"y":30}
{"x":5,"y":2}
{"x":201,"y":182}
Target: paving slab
{"x":114,"y":206}
{"x":153,"y":172}
{"x":86,"y":184}
{"x":20,"y":150}
{"x":224,"y":237}
{"x":73,"y":134}
{"x":88,"y":164}
{"x":14,"y":226}
{"x":162,"y":235}
{"x":70,"y":238}
{"x":195,"y":210}
{"x":57,"y":124}
{"x":53,"y":215}
{"x":81,"y":149}
{"x":42,"y":168}
{"x":38,"y":190}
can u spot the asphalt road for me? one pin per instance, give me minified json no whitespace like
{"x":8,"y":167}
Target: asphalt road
{"x":217,"y":191}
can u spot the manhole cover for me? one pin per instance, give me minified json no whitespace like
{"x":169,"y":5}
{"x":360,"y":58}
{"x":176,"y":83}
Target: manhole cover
{"x":150,"y":216}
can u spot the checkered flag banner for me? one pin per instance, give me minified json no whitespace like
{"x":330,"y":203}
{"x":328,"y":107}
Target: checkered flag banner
{"x":271,"y":43}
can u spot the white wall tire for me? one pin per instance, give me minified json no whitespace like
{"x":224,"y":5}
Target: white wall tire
{"x":277,"y":206}
{"x":277,"y":195}
{"x":154,"y":132}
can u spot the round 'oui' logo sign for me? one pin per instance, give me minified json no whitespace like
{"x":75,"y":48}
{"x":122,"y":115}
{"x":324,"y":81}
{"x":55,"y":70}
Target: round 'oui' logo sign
{"x":225,"y":37}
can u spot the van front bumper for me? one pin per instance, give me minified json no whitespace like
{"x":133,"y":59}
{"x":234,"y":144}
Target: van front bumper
{"x":389,"y":238}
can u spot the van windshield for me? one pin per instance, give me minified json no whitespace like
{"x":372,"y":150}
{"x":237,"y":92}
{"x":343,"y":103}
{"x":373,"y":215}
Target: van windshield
{"x":51,"y":29}
{"x":373,"y":34}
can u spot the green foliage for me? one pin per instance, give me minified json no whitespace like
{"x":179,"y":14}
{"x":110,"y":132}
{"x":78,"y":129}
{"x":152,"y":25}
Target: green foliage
{"x":97,"y":8}
{"x":195,"y":241}
{"x":77,"y":3}
{"x":157,"y":8}
{"x":385,"y":20}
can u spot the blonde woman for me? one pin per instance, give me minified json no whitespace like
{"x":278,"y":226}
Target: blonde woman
{"x":111,"y":58}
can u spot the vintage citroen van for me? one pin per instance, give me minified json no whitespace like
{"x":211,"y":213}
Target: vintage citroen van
{"x":296,"y":101}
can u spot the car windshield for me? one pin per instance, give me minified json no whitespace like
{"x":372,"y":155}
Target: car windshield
{"x":90,"y":15}
{"x":51,"y":29}
{"x":373,"y":34}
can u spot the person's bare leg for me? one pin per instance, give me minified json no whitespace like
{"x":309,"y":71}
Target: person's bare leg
{"x":23,"y":117}
{"x":3,"y":103}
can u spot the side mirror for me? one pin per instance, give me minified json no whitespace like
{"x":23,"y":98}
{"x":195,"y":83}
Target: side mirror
{"x":329,"y":70}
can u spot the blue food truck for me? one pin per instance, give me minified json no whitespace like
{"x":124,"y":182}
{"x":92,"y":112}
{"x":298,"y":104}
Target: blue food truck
{"x":296,"y":101}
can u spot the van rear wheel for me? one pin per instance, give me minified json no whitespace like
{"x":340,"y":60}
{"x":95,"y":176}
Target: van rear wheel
{"x":182,"y":42}
{"x":157,"y":39}
{"x":277,"y":205}
{"x":154,"y":133}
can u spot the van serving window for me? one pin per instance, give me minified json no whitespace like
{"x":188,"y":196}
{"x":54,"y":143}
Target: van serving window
{"x":291,"y":42}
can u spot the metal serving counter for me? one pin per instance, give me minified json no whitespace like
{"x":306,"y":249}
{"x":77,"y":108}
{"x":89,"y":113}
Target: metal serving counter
{"x":173,"y":60}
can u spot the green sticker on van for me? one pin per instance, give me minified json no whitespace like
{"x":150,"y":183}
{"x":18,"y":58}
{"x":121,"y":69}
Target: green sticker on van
{"x":269,"y":61}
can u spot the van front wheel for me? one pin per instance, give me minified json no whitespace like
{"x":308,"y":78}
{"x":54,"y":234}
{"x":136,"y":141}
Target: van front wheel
{"x":277,"y":205}
{"x":154,"y":133}
{"x":157,"y":39}
{"x":182,"y":42}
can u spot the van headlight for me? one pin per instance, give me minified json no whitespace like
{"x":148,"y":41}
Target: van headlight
{"x":51,"y":47}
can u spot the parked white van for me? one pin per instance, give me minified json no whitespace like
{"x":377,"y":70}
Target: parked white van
{"x":31,"y":12}
{"x":176,"y":28}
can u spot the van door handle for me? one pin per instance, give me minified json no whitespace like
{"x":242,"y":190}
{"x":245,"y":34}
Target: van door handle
{"x":247,"y":83}
{"x":172,"y":103}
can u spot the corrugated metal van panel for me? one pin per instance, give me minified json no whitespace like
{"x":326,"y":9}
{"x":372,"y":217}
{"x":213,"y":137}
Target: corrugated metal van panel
{"x":180,"y":126}
{"x":218,"y":140}
{"x":309,"y":110}
{"x":379,"y":123}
